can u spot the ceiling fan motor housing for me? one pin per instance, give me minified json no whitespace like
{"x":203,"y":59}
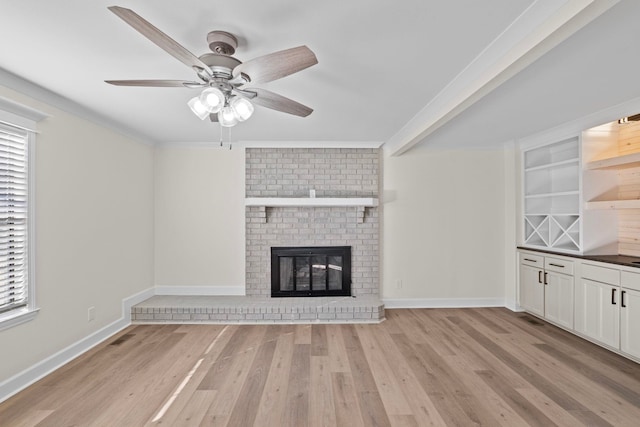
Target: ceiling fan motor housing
{"x":222,"y":42}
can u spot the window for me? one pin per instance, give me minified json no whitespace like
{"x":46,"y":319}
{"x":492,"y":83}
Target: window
{"x":16,"y":299}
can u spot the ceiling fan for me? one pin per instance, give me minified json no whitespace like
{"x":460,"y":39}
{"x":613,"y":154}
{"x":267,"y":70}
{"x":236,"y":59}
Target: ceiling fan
{"x":226,"y":97}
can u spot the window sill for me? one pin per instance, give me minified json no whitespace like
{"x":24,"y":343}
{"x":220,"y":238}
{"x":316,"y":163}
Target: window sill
{"x":16,"y":317}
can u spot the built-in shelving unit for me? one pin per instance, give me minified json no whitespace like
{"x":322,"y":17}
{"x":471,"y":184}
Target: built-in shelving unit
{"x":614,"y":174}
{"x":311,"y":201}
{"x":552,"y":196}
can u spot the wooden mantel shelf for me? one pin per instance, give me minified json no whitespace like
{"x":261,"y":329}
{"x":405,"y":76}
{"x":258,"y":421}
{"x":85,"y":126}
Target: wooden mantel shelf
{"x":360,"y":203}
{"x":311,"y":201}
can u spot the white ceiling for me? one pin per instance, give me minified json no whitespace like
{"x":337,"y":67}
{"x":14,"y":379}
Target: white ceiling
{"x":380,"y":63}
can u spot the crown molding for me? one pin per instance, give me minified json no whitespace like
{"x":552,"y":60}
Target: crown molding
{"x":544,"y":25}
{"x":274,"y":144}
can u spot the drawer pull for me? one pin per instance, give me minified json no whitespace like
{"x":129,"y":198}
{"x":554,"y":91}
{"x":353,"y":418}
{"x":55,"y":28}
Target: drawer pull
{"x":530,"y":260}
{"x":613,"y":296}
{"x":556,"y":265}
{"x":622,"y":299}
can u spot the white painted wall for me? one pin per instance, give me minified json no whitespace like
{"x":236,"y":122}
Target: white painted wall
{"x":94,"y":219}
{"x":444,"y":227}
{"x":199,"y":220}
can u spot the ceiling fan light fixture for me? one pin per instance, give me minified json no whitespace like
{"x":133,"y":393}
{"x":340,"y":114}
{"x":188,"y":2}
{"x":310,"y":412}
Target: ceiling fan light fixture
{"x":227,"y":117}
{"x":198,"y":108}
{"x":242,"y":108}
{"x":212,"y":99}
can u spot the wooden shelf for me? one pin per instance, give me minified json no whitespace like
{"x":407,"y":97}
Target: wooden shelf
{"x":311,"y":201}
{"x":620,"y":162}
{"x":613,"y":204}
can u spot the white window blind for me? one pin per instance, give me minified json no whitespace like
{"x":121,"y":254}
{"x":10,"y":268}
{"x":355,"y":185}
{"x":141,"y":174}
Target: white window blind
{"x":13,"y":217}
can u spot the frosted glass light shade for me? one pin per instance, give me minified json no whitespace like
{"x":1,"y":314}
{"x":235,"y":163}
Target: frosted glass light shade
{"x":227,"y":117}
{"x":198,"y":108}
{"x":242,"y":108}
{"x":212,"y":99}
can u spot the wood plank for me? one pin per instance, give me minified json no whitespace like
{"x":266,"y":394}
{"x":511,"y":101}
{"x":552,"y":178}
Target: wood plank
{"x":319,"y":342}
{"x":529,"y":412}
{"x":337,"y":351}
{"x":297,"y":402}
{"x":371,"y":405}
{"x":245,"y":409}
{"x":446,"y":407}
{"x":229,"y":382}
{"x":215,"y":347}
{"x":272,"y":403}
{"x":192,"y":414}
{"x":242,"y":340}
{"x":393,"y":398}
{"x":346,"y":402}
{"x":322,"y":411}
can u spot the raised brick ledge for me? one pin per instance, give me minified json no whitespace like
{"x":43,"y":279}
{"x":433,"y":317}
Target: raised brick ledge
{"x":256,"y":310}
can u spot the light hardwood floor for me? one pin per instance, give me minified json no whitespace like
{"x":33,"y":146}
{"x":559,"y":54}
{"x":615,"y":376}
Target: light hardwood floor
{"x":423,"y":367}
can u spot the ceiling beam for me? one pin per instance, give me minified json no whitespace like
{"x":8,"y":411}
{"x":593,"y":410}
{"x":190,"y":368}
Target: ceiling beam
{"x":541,"y":27}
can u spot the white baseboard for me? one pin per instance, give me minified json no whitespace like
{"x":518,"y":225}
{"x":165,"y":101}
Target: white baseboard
{"x":513,"y":306}
{"x":38,"y":371}
{"x":443,"y":302}
{"x":199,"y":290}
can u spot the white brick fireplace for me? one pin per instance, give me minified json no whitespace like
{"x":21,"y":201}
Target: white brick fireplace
{"x":288,"y":173}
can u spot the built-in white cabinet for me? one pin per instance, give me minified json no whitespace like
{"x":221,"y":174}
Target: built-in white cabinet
{"x":559,"y":291}
{"x":598,"y":304}
{"x":546,"y":287}
{"x":531,"y":283}
{"x":596,"y":300}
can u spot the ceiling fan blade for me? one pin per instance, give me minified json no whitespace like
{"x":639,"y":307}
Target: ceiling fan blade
{"x":277,"y":102}
{"x":155,"y":83}
{"x":276,"y":65}
{"x":165,"y":42}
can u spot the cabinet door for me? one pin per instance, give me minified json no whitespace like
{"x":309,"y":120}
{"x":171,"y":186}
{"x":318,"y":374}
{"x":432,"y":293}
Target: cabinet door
{"x":629,"y":321}
{"x":598,"y":311}
{"x":531,"y":289}
{"x":558,"y":299}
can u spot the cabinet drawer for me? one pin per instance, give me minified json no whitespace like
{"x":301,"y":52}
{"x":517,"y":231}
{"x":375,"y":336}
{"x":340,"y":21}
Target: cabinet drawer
{"x":558,"y":265}
{"x":601,"y":274}
{"x":532,"y":260}
{"x":630,"y":280}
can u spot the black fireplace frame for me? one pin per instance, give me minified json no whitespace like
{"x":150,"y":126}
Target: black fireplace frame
{"x":309,"y":251}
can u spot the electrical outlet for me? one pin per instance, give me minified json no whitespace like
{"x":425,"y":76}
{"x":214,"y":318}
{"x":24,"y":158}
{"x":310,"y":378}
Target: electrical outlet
{"x":91,"y":314}
{"x":398,"y":283}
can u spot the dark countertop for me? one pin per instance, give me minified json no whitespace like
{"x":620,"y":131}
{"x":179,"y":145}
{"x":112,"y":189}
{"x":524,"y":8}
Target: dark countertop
{"x":629,"y":261}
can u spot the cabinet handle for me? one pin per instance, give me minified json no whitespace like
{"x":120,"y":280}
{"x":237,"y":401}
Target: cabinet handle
{"x":539,"y":276}
{"x":622,"y":299}
{"x":545,"y":278}
{"x":556,"y":265}
{"x":530,"y":260}
{"x":613,"y":296}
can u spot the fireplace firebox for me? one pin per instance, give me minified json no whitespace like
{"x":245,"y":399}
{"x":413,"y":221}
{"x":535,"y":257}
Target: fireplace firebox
{"x":311,"y":271}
